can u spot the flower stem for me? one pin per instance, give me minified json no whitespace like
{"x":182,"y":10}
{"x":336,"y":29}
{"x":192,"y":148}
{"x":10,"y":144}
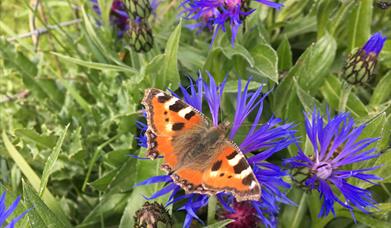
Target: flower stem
{"x":300,"y":210}
{"x":212,"y":209}
{"x":343,"y":99}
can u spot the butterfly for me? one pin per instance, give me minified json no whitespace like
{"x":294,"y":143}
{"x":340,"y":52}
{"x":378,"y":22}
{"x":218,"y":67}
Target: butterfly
{"x":197,"y":155}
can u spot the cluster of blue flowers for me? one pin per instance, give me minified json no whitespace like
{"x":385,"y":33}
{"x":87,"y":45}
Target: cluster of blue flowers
{"x":336,"y":146}
{"x":213,"y":15}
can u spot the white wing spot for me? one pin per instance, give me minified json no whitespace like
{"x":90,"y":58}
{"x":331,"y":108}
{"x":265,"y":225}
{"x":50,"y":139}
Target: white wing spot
{"x":244,"y":173}
{"x":213,"y":173}
{"x":169,"y":127}
{"x":234,"y":161}
{"x":253,"y":184}
{"x":182,"y":113}
{"x":170,"y":102}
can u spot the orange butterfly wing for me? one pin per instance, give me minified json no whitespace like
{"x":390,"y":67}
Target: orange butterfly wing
{"x":229,"y":172}
{"x":167,"y":116}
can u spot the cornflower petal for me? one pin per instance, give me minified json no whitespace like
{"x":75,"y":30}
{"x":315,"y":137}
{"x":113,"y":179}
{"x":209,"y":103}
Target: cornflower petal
{"x":6,"y":213}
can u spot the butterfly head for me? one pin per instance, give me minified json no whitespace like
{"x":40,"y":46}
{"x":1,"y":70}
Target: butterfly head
{"x":224,"y":126}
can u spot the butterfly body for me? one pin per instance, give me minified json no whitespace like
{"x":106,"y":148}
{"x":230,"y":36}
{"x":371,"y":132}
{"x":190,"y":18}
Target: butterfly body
{"x":198,"y":156}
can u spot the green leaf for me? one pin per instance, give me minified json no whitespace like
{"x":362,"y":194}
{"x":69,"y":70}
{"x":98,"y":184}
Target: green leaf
{"x":331,"y":91}
{"x":382,"y":91}
{"x":33,"y":178}
{"x":237,"y":50}
{"x":40,"y":215}
{"x":316,"y":64}
{"x":359,"y":23}
{"x":366,"y":219}
{"x":220,"y":224}
{"x":310,"y":71}
{"x":384,"y":160}
{"x":266,"y":62}
{"x":385,"y":54}
{"x":51,"y":161}
{"x":28,"y":70}
{"x":109,"y":204}
{"x":308,"y":101}
{"x":168,"y":73}
{"x":97,"y":66}
{"x":232,"y":86}
{"x":284,"y":53}
{"x":33,"y":136}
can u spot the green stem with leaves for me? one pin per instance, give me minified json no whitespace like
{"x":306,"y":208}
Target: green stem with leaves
{"x":212,"y":205}
{"x":300,"y":210}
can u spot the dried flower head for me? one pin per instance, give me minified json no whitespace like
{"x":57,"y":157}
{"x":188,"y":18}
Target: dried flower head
{"x":151,"y":214}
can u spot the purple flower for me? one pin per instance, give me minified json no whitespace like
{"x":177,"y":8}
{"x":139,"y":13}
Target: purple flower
{"x":214,"y":14}
{"x":336,"y":146}
{"x":6,"y":213}
{"x":375,"y":44}
{"x":359,"y":67}
{"x":244,"y":215}
{"x":263,"y":140}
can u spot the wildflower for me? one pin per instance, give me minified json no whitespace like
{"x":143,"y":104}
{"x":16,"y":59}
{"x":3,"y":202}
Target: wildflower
{"x":263,"y":140}
{"x":359,"y":67}
{"x":6,"y":213}
{"x":130,"y":20}
{"x":336,"y":147}
{"x":214,"y":14}
{"x":243,"y":214}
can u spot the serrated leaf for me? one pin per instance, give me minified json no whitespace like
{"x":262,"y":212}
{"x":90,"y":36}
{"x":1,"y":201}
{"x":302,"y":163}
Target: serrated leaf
{"x":40,"y":215}
{"x":33,"y":178}
{"x":33,"y":136}
{"x":51,"y":161}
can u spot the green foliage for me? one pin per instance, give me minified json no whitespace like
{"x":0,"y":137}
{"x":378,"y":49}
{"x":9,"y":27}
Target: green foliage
{"x":69,"y":102}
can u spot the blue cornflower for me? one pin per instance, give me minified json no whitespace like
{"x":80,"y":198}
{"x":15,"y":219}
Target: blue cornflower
{"x":214,"y":14}
{"x":375,"y":44}
{"x":262,"y":139}
{"x":336,"y":146}
{"x":6,"y":213}
{"x":359,"y":66}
